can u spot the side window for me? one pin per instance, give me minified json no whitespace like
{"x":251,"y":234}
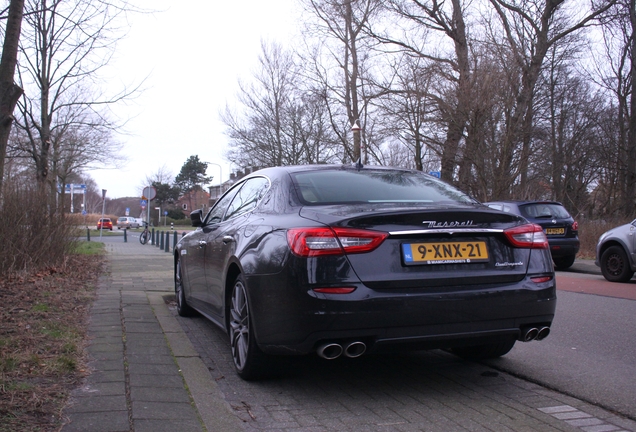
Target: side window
{"x":215,"y":215}
{"x":247,"y":198}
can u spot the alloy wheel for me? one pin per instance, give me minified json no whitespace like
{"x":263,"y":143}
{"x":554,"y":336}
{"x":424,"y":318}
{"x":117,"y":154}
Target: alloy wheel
{"x":239,"y":325}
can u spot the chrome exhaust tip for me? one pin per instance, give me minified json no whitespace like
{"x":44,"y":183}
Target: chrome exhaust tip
{"x":529,"y":334}
{"x":543,"y":333}
{"x":355,"y":349}
{"x":329,"y":351}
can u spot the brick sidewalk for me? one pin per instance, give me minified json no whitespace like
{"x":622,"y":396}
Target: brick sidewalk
{"x":136,"y":350}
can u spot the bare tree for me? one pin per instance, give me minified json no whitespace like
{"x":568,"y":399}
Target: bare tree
{"x":278,"y":122}
{"x":64,"y":46}
{"x":447,"y":20}
{"x":530,"y":29}
{"x":616,"y":69}
{"x":341,"y":68}
{"x":409,"y":106}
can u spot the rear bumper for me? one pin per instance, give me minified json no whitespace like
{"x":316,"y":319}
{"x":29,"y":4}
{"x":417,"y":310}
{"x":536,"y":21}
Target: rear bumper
{"x":287,"y":323}
{"x":564,"y":247}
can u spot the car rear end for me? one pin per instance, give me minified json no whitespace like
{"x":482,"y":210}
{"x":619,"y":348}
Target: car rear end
{"x":559,"y":226}
{"x":123,"y":222}
{"x":439,"y":271}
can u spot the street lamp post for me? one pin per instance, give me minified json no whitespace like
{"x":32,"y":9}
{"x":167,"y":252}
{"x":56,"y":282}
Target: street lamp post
{"x":357,"y":141}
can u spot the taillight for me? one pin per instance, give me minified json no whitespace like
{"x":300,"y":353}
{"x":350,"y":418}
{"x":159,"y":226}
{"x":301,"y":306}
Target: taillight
{"x":306,"y":242}
{"x":575,"y":226}
{"x":527,"y":236}
{"x":334,"y":290}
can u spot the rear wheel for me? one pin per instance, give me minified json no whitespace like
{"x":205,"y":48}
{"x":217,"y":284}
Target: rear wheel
{"x":565,"y":262}
{"x":615,"y":265}
{"x":249,"y":360}
{"x":183,"y":308}
{"x":486,"y":351}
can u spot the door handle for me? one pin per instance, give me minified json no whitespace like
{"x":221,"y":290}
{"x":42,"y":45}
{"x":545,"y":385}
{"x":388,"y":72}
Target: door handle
{"x":227,"y":239}
{"x":202,"y":243}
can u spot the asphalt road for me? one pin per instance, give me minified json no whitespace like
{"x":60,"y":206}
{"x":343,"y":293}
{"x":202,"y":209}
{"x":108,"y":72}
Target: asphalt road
{"x":591,"y":351}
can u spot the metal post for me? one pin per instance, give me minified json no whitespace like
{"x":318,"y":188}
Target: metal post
{"x":174,"y":241}
{"x":153,"y":236}
{"x":101,"y":227}
{"x":167,"y":241}
{"x":125,"y":236}
{"x":88,"y":234}
{"x":161,"y":235}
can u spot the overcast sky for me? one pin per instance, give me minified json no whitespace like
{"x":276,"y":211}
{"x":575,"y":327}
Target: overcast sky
{"x":193,"y":54}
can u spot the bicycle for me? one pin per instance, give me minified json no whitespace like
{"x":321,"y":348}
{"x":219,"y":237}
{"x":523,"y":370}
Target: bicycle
{"x":145,"y":235}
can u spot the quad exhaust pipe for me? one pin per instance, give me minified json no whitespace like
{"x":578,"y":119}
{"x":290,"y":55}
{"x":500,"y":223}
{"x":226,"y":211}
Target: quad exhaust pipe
{"x":334,"y":350}
{"x":534,"y":333}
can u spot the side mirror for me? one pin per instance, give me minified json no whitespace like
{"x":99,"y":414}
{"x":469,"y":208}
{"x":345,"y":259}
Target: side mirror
{"x":196,"y":218}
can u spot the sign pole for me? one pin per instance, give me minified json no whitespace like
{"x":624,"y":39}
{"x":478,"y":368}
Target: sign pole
{"x":101,"y":227}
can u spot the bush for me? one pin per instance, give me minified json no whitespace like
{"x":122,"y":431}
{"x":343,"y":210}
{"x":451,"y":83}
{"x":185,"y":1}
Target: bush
{"x":32,"y":237}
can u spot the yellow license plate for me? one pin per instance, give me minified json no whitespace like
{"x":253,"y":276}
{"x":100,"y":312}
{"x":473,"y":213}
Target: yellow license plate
{"x":445,"y":252}
{"x":555,"y":231}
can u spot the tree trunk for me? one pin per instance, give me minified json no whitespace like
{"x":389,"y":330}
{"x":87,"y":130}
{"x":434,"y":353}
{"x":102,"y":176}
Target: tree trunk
{"x":460,"y":113}
{"x":9,"y":91}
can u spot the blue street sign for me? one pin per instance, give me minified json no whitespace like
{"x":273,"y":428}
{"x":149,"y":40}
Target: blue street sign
{"x":143,"y":203}
{"x":437,"y":174}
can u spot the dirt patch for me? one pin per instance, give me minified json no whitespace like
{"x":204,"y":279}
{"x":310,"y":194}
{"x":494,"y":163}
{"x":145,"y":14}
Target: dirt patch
{"x":42,"y":340}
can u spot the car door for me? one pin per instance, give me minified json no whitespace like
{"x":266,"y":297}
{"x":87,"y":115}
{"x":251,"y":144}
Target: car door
{"x":222,"y":246}
{"x":195,"y":247}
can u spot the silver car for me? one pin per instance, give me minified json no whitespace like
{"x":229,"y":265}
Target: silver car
{"x":126,"y":222}
{"x":615,"y":253}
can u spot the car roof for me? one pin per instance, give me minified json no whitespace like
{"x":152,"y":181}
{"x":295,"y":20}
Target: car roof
{"x":319,"y":167}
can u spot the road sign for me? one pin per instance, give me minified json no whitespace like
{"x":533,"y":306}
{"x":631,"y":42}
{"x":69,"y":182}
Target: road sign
{"x":127,"y":211}
{"x":143,"y":203}
{"x":150,"y":193}
{"x":437,"y":174}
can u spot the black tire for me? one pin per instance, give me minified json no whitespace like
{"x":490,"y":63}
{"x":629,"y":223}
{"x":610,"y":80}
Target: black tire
{"x":615,"y":265}
{"x":143,"y":237}
{"x":183,"y":308}
{"x":486,"y":351}
{"x":249,"y":360}
{"x":565,"y":262}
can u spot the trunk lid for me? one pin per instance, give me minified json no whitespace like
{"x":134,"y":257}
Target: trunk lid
{"x":430,"y":246}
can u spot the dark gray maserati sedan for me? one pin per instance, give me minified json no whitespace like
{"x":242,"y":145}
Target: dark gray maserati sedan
{"x":348,"y":260}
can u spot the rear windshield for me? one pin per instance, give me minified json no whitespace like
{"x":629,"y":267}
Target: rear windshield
{"x":544,"y":211}
{"x":374,"y":186}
